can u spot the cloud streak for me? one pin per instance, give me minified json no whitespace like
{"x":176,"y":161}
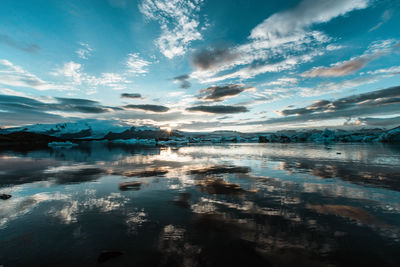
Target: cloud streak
{"x":131,"y":96}
{"x":13,"y":75}
{"x":380,"y":102}
{"x":220,"y":93}
{"x":386,"y":16}
{"x":148,"y":107}
{"x":376,"y":50}
{"x":282,"y":42}
{"x":340,"y":69}
{"x":219,"y":109}
{"x":25,"y":105}
{"x":304,"y":15}
{"x":23,"y":46}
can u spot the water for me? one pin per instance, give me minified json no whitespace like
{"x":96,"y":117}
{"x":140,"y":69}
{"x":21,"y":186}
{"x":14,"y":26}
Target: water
{"x":224,"y":205}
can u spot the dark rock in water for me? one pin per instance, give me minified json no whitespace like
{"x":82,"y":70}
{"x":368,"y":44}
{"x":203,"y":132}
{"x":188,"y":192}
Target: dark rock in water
{"x":106,"y":255}
{"x":221,"y":187}
{"x":220,"y":169}
{"x":4,"y":196}
{"x":129,"y":186}
{"x":145,"y":173}
{"x":26,"y":140}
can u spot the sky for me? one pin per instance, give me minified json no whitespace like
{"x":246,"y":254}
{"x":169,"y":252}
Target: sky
{"x":199,"y":65}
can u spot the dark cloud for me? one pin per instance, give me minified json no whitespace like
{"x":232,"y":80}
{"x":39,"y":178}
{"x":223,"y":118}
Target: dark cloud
{"x":220,"y":109}
{"x":371,"y":99}
{"x":76,"y":101}
{"x":183,"y":82}
{"x":148,"y":107}
{"x":219,"y":93}
{"x":385,"y":101}
{"x":28,"y":110}
{"x":133,"y":96}
{"x":22,"y":118}
{"x":212,"y":57}
{"x":27,"y":47}
{"x":380,"y":122}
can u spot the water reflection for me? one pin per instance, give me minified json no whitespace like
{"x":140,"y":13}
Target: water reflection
{"x":230,"y":205}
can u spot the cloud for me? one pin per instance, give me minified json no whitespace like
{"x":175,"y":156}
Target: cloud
{"x":258,"y":57}
{"x":379,"y":122}
{"x":375,"y":50}
{"x":6,"y":91}
{"x":76,"y":76}
{"x":284,"y":81}
{"x":386,"y":16}
{"x":23,"y":46}
{"x":395,"y":70}
{"x":84,"y":51}
{"x":219,"y":93}
{"x":330,"y":87}
{"x":25,"y":105}
{"x":136,"y":65}
{"x":380,"y":102}
{"x":210,"y":58}
{"x":132,"y":96}
{"x":17,"y":110}
{"x":182,"y":80}
{"x":220,"y":109}
{"x":179,"y":23}
{"x":282,"y":42}
{"x":371,"y":100}
{"x":13,"y":75}
{"x":340,"y":69}
{"x":148,"y":107}
{"x":304,"y":15}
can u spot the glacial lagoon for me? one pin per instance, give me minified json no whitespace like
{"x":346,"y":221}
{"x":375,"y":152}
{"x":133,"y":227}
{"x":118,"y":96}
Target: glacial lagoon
{"x":204,"y":205}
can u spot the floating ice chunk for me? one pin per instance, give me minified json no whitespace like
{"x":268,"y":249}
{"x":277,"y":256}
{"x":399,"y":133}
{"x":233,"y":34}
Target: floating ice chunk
{"x":66,"y":144}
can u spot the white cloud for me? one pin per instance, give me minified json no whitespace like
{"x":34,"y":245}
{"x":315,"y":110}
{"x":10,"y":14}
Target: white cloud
{"x":387,"y":15}
{"x":136,"y":65}
{"x":375,"y":50}
{"x":8,"y":91}
{"x":84,"y":51}
{"x":179,"y":23}
{"x":251,"y":71}
{"x":395,"y":70}
{"x":76,"y":76}
{"x":12,"y":75}
{"x":284,"y":81}
{"x":285,"y":39}
{"x":304,"y":15}
{"x":333,"y":47}
{"x":331,"y":87}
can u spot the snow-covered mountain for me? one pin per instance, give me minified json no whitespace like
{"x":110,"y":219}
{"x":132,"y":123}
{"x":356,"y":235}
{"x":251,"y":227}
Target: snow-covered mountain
{"x":84,"y":129}
{"x":126,"y":134}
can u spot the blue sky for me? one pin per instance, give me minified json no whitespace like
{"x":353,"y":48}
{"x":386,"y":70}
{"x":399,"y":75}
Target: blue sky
{"x":201,"y":65}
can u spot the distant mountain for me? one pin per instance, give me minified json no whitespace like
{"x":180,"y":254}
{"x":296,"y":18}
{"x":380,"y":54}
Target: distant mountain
{"x":85,"y":129}
{"x":116,"y":132}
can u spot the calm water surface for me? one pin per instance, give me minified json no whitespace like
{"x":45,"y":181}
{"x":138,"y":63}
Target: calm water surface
{"x":224,"y":205}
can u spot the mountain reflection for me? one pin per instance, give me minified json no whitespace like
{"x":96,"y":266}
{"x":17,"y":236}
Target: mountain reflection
{"x":228,"y":205}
